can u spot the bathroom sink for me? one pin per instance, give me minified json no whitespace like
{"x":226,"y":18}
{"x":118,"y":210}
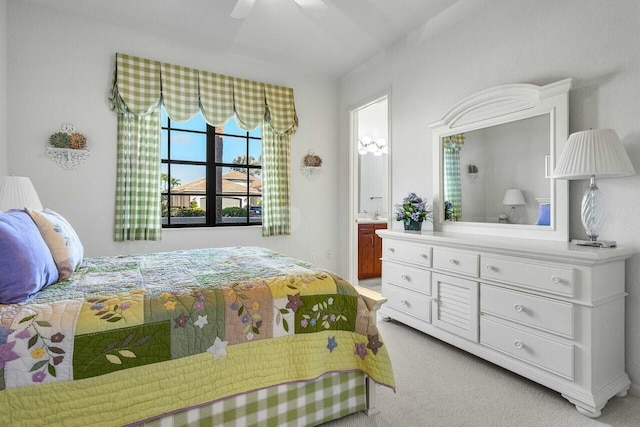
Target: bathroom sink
{"x":380,"y":220}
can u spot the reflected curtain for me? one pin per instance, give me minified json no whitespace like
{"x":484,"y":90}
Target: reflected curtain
{"x":140,"y":86}
{"x":452,"y":184}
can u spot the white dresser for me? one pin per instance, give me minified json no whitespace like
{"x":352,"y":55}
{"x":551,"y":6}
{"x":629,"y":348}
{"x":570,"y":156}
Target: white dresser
{"x":549,"y":311}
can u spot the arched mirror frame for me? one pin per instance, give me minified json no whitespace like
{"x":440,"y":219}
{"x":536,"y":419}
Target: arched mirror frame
{"x":500,"y":105}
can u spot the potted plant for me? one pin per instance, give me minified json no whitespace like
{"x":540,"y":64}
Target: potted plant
{"x":412,"y":212}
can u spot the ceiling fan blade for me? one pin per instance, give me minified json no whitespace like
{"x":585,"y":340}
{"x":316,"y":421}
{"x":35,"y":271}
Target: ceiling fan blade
{"x":242,"y":9}
{"x":312,"y":5}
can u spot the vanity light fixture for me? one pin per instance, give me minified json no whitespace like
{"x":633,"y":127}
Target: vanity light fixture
{"x":368,"y":145}
{"x":513,"y":197}
{"x":587,"y":155}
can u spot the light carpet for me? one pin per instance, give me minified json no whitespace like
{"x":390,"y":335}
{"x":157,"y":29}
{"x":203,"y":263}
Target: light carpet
{"x":440,"y":385}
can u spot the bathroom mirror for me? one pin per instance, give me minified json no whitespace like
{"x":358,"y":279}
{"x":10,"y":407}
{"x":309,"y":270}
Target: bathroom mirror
{"x":494,"y":153}
{"x":373,"y":159}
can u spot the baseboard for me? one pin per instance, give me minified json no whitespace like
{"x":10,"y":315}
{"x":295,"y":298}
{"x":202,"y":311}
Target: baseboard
{"x":634,"y":389}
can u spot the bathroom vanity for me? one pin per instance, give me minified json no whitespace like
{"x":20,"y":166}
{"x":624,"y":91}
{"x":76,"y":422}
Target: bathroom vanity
{"x":370,"y":248}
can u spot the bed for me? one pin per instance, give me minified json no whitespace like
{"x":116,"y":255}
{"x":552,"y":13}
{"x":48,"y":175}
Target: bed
{"x":226,"y":336}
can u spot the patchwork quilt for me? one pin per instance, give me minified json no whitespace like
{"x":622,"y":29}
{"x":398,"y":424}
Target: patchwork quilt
{"x":227,"y":320}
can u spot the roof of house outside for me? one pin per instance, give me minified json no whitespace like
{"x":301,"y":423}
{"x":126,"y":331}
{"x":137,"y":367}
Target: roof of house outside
{"x":230,"y":184}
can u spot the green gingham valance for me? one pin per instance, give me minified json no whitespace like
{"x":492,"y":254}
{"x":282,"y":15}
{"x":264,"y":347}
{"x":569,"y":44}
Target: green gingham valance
{"x":141,"y":84}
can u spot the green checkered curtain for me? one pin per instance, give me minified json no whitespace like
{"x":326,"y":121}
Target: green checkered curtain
{"x":138,"y":88}
{"x":138,"y":214}
{"x":216,"y":97}
{"x":279,"y":123}
{"x":180,"y":92}
{"x":276,"y":172}
{"x":249,"y":103}
{"x":452,"y":186}
{"x":281,"y":112}
{"x":135,"y":96}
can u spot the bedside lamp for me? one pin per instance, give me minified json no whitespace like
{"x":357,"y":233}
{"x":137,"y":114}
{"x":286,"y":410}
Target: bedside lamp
{"x":17,"y":192}
{"x":513,"y":197}
{"x":590,"y":154}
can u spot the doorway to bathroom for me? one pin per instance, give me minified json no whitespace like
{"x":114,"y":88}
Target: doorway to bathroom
{"x":370,"y":154}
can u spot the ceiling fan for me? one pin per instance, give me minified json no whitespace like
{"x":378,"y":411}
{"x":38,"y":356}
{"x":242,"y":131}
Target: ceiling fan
{"x":243,"y":7}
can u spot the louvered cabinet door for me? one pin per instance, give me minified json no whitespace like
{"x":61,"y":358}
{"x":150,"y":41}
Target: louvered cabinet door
{"x":455,"y":305}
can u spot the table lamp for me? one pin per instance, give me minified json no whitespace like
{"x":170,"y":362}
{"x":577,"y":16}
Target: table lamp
{"x":590,"y":154}
{"x":17,"y":192}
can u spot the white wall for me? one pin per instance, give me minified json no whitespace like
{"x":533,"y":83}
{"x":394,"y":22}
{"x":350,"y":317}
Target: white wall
{"x":507,"y":41}
{"x":3,"y":87}
{"x":60,"y":71}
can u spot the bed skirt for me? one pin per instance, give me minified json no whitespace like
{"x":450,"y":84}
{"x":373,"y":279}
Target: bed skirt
{"x":306,"y":403}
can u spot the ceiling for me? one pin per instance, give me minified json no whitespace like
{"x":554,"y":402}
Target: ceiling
{"x":332,"y":43}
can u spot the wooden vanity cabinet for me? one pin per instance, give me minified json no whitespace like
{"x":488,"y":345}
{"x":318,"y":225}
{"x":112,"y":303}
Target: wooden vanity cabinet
{"x":369,"y":251}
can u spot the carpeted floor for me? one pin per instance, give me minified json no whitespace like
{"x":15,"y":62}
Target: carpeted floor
{"x":439,"y":385}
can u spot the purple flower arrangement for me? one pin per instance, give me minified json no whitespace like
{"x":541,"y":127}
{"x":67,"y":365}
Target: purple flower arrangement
{"x":413,"y":209}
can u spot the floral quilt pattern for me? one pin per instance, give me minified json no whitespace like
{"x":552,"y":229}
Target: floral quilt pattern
{"x":121,"y":312}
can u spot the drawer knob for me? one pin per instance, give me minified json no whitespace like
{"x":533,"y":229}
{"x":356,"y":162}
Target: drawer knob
{"x":405,"y":277}
{"x":404,"y":302}
{"x":490,"y":267}
{"x":425,"y":256}
{"x":555,"y":279}
{"x":518,"y":344}
{"x":518,"y":308}
{"x":391,"y":250}
{"x":453,"y":261}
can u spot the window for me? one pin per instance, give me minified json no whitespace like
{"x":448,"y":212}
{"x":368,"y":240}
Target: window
{"x":211,"y":176}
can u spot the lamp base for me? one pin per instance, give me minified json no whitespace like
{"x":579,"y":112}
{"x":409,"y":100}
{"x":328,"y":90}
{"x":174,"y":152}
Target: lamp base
{"x":595,"y":243}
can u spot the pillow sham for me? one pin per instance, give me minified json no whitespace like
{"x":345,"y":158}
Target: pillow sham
{"x":26,"y":264}
{"x":62,"y":240}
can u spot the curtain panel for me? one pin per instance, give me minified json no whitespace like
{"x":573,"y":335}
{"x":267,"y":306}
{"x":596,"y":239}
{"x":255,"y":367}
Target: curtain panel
{"x":453,"y":188}
{"x":141,"y":85}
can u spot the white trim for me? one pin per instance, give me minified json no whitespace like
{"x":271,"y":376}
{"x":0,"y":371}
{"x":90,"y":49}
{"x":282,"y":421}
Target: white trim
{"x":499,"y":105}
{"x":354,"y":170}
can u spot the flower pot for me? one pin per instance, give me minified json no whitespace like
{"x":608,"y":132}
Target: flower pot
{"x":413,"y":225}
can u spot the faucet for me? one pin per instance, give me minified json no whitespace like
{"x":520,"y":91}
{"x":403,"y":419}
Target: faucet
{"x":376,"y":215}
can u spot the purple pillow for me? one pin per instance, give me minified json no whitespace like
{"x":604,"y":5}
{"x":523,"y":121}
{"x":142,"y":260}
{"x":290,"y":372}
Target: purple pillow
{"x":26,"y":264}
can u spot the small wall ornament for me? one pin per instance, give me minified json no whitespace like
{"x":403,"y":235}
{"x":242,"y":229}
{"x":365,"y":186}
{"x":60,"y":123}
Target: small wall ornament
{"x":68,"y":147}
{"x":311,"y":165}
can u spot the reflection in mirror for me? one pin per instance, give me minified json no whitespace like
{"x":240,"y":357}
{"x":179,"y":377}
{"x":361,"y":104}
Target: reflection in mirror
{"x":373,"y":160}
{"x":512,"y":135}
{"x":480,"y":166}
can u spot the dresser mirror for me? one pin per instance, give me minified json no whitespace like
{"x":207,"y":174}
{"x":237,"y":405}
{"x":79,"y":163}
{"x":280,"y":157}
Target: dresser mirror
{"x":494,"y":153}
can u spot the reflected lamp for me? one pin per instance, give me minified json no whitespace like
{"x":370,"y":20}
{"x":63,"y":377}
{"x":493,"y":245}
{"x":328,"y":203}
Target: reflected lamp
{"x":513,"y":197}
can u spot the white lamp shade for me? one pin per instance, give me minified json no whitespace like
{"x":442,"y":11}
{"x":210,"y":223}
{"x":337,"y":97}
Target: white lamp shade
{"x":17,"y":192}
{"x":593,"y":153}
{"x":513,"y":196}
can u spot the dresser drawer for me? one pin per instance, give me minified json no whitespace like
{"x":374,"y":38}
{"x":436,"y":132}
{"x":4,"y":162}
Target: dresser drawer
{"x":407,"y":277}
{"x":408,"y":302}
{"x":545,"y":277}
{"x":459,"y":262}
{"x":531,"y":310}
{"x":408,"y":252}
{"x":545,"y":353}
